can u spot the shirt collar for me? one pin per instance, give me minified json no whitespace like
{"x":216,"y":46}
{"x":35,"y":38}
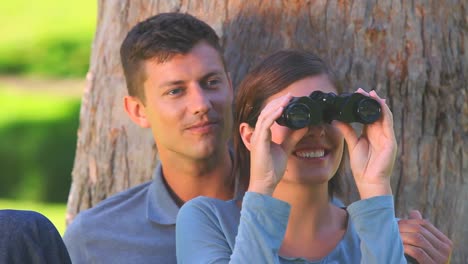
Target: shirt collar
{"x":161,"y":208}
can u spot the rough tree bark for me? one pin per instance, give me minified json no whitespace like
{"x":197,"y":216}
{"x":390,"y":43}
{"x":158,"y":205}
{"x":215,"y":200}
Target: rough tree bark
{"x":414,"y":53}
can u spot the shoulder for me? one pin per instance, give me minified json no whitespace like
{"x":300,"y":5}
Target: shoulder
{"x":25,"y":221}
{"x":203,"y":203}
{"x":23,"y":216}
{"x":207,"y":220}
{"x":208,"y":206}
{"x":208,"y":211}
{"x":118,"y":206}
{"x":133,"y":194}
{"x":28,"y":236}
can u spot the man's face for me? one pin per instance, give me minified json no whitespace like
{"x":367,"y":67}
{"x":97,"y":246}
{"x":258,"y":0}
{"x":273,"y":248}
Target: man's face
{"x":189,"y":103}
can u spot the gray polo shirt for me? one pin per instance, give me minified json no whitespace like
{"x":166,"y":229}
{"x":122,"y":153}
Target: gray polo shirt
{"x":134,"y":226}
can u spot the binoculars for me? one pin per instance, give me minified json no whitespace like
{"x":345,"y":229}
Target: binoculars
{"x":321,"y":107}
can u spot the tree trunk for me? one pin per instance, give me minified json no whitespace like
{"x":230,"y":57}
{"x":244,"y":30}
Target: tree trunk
{"x":414,"y":53}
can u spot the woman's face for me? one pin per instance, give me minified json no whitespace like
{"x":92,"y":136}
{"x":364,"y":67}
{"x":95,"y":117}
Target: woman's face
{"x":317,"y":156}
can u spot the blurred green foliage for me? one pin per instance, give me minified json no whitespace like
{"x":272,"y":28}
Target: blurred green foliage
{"x":37,"y":144}
{"x":47,"y":37}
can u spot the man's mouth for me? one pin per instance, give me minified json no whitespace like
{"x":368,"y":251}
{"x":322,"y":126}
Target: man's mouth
{"x":203,"y":127}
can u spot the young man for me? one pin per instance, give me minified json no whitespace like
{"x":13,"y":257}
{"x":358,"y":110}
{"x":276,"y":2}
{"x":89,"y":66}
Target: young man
{"x":179,"y":87}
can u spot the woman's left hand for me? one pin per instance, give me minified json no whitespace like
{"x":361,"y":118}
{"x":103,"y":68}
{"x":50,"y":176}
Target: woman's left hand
{"x":372,"y":154}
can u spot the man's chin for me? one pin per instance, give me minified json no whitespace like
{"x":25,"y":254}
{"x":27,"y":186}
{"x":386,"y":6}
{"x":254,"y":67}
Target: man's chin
{"x":206,"y":146}
{"x":207,"y":151}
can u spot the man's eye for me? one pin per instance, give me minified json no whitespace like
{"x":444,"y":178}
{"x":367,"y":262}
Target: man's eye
{"x":213,"y":82}
{"x":174,"y":91}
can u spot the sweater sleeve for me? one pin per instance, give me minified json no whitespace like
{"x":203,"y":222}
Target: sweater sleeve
{"x":376,"y":225}
{"x":262,"y":226}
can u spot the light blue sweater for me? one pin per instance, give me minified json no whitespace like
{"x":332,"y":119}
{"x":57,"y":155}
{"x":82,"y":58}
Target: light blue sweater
{"x":214,"y":231}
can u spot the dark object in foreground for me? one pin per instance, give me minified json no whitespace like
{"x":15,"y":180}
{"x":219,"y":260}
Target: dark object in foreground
{"x":321,"y":107}
{"x":29,"y":237}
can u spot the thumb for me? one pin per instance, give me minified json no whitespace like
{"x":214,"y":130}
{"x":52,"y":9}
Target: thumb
{"x":415,"y":214}
{"x":348,"y":132}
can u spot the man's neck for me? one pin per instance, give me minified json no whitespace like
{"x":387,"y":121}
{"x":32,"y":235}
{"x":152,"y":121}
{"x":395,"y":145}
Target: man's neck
{"x":188,"y":178}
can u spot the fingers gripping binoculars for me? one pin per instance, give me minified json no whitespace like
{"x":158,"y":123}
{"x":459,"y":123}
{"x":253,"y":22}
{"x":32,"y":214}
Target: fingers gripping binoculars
{"x":321,"y":107}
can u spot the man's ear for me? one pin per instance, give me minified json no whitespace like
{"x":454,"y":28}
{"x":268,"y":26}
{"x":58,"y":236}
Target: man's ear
{"x":246,"y":134}
{"x":136,"y":111}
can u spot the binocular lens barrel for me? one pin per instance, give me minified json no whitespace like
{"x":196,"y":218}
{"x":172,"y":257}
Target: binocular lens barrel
{"x":368,"y":111}
{"x":298,"y":116}
{"x":321,"y":107}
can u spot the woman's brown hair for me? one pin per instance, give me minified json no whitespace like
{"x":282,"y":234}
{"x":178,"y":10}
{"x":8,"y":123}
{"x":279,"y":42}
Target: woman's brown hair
{"x":271,"y":76}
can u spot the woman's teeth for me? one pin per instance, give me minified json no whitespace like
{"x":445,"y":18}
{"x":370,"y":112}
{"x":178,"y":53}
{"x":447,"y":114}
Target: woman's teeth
{"x":311,"y":154}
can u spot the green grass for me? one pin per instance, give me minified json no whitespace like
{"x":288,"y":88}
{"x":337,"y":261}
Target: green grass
{"x":37,"y":144}
{"x":55,"y":212}
{"x":32,"y":106}
{"x":47,"y":37}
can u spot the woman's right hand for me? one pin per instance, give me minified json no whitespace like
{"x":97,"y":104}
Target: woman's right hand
{"x":268,"y":159}
{"x":373,"y":153}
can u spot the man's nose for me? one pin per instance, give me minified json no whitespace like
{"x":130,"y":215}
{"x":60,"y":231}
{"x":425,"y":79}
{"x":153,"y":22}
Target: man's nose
{"x":199,"y":100}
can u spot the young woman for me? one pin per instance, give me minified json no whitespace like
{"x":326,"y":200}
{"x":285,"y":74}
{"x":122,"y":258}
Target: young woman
{"x":285,"y":213}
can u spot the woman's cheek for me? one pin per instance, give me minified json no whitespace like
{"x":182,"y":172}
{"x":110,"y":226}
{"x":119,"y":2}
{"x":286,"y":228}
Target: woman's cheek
{"x":279,"y":133}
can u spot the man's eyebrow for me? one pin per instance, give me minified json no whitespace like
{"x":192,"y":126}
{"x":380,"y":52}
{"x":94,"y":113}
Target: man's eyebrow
{"x":171,"y":83}
{"x":181,"y":82}
{"x":211,"y":74}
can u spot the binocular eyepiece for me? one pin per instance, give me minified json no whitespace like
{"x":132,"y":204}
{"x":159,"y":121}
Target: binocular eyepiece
{"x":321,"y":107}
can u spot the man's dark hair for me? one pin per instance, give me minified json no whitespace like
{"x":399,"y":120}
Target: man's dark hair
{"x":160,"y":38}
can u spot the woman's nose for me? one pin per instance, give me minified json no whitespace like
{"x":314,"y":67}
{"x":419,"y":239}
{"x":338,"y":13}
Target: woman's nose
{"x":317,"y":131}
